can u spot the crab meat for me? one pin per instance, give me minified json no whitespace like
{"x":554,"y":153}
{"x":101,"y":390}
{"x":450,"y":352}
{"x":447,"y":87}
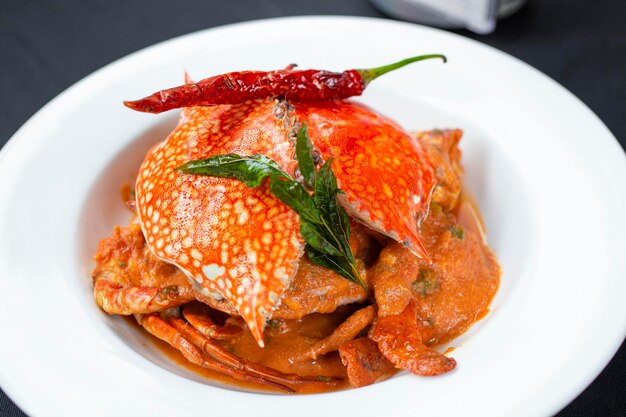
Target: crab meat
{"x":399,"y":339}
{"x":242,"y":244}
{"x":364,"y":362}
{"x":128,"y":279}
{"x":343,"y":334}
{"x":441,"y":147}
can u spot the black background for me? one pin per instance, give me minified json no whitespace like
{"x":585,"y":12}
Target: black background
{"x":46,"y":46}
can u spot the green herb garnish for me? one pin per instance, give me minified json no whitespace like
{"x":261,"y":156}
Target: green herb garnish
{"x":304,"y":155}
{"x":426,"y":282}
{"x":171,"y":290}
{"x":324,"y":224}
{"x":456,"y":230}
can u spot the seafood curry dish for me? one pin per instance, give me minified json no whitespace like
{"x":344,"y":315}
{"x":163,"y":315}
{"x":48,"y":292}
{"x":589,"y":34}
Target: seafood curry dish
{"x":286,"y":238}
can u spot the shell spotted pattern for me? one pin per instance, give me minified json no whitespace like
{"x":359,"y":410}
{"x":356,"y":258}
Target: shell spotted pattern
{"x":385,"y":174}
{"x":232,"y":241}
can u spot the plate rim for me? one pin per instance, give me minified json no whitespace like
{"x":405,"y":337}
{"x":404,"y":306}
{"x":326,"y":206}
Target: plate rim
{"x":11,"y":144}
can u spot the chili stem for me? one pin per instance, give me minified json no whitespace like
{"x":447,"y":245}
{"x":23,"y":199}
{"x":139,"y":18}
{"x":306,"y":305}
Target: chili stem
{"x":372,"y":73}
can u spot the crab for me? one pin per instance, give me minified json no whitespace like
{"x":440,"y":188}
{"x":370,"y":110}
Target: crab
{"x":201,"y":244}
{"x":243,"y":244}
{"x":130,"y":280}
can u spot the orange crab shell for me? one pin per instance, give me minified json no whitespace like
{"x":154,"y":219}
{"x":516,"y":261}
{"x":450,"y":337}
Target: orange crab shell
{"x":243,"y":244}
{"x":232,"y":241}
{"x":383,"y":171}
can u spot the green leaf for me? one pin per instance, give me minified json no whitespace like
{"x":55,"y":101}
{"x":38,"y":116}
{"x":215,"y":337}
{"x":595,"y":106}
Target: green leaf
{"x":251,"y":170}
{"x":272,"y":323}
{"x":456,"y":230}
{"x":315,"y":236}
{"x":337,"y":219}
{"x":337,"y":264}
{"x":324,"y":224}
{"x":426,"y":282}
{"x":294,"y":195}
{"x":304,"y":154}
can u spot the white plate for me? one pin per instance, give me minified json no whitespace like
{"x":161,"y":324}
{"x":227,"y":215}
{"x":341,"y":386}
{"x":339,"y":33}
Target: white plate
{"x":547,"y":173}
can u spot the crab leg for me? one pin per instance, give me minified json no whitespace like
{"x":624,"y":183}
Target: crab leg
{"x":344,"y":333}
{"x":197,"y":315}
{"x":227,"y":358}
{"x":128,"y":279}
{"x":399,"y":340}
{"x":364,"y":362}
{"x":117,"y":299}
{"x":161,"y":329}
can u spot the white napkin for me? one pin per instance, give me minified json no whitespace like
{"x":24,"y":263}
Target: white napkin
{"x":476,"y":15}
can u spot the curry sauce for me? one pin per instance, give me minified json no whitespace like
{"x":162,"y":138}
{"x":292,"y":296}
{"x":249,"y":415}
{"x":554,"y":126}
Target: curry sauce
{"x":450,"y":295}
{"x":326,"y":333}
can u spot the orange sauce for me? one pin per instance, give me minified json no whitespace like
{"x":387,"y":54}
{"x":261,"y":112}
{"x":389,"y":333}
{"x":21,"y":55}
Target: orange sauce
{"x":284,"y":341}
{"x":468,"y":215}
{"x":449,"y":350}
{"x":467,"y":277}
{"x":127,"y":192}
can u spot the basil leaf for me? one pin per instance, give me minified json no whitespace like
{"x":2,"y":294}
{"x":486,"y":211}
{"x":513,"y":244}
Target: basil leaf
{"x":304,"y":154}
{"x":251,"y":170}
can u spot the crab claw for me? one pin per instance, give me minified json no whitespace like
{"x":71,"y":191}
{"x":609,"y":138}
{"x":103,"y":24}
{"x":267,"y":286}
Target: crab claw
{"x":385,"y":174}
{"x":233,"y":242}
{"x":399,"y":340}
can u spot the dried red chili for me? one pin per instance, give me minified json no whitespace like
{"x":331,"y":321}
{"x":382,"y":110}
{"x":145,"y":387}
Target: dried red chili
{"x":295,"y":85}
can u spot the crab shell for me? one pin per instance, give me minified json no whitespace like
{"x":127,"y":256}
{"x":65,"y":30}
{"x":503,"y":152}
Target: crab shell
{"x":243,"y":244}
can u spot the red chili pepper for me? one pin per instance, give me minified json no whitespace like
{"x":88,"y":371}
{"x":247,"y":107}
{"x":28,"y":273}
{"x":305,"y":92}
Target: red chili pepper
{"x":295,"y":85}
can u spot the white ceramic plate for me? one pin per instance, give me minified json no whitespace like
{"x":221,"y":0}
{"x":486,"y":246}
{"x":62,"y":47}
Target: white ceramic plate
{"x":547,"y":173}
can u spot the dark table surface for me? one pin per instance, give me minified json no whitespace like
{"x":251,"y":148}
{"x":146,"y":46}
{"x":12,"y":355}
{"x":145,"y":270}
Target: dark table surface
{"x":47,"y":45}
